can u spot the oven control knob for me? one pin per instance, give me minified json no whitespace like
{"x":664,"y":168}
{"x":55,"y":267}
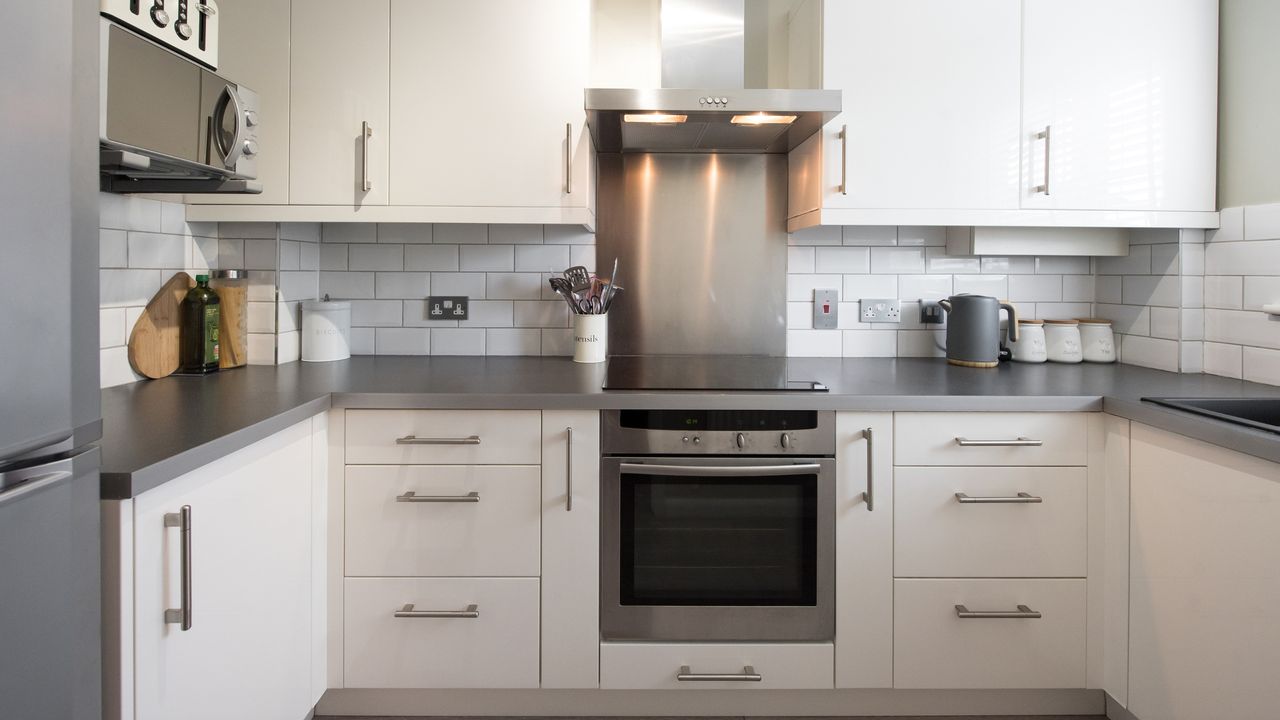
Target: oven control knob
{"x":696,"y":439}
{"x":685,"y":438}
{"x":786,"y":441}
{"x":742,"y":441}
{"x":250,"y":148}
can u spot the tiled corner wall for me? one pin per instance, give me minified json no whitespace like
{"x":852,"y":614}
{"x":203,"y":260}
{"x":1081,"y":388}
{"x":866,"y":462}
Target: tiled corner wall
{"x":142,"y":243}
{"x":910,"y":263}
{"x":388,"y":270}
{"x":283,"y":257}
{"x":1241,"y":274}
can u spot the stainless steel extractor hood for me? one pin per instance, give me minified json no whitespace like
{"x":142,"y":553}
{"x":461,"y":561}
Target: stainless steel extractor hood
{"x":703,"y":106}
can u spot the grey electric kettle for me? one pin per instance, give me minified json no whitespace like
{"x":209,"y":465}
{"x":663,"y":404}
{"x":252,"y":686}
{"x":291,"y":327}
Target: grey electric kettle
{"x":973,"y":329}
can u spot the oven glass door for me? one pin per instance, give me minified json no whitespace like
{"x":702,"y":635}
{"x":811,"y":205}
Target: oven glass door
{"x":718,"y":548}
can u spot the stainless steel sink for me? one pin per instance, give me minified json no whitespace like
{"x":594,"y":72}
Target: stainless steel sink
{"x":1260,"y":413}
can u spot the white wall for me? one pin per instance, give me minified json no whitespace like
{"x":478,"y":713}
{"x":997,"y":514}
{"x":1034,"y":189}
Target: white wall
{"x":1249,"y":103}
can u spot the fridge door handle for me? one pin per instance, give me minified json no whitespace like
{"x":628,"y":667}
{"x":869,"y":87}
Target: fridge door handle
{"x":23,"y":481}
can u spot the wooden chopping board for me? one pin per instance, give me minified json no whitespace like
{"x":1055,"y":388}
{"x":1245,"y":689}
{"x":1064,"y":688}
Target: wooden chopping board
{"x":153,"y":344}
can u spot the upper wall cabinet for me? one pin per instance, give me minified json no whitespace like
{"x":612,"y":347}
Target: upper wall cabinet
{"x":431,"y":111}
{"x":947,"y":106}
{"x":486,"y":102}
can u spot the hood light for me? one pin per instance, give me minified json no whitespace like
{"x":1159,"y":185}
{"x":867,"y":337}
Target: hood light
{"x":763,"y":119}
{"x":655,"y":118}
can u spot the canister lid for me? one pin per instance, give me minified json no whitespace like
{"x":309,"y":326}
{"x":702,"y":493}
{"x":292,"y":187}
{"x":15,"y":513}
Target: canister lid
{"x":228,"y":274}
{"x":326,"y":305}
{"x":1062,"y":322}
{"x":1030,"y":322}
{"x":1094,"y":321}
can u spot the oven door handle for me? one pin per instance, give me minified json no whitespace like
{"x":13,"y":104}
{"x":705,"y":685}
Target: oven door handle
{"x":720,"y":470}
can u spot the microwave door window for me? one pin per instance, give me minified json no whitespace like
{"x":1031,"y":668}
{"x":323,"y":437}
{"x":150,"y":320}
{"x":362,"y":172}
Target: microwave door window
{"x":721,"y":541}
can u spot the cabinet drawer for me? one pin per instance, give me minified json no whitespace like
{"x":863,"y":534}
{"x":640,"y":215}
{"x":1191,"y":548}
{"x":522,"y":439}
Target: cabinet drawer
{"x":654,"y":666}
{"x":460,"y":520}
{"x":933,"y":647}
{"x":498,"y":648}
{"x":444,"y":437}
{"x":990,"y":439}
{"x":996,"y":532}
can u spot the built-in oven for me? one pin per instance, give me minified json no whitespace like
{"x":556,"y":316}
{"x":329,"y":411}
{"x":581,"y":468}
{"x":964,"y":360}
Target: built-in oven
{"x":718,"y":525}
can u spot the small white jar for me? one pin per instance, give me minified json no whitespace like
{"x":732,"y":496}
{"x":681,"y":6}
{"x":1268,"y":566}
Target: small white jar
{"x":590,"y":338}
{"x":1062,"y":341}
{"x":326,"y":330}
{"x":1097,"y":341}
{"x":1030,"y":347}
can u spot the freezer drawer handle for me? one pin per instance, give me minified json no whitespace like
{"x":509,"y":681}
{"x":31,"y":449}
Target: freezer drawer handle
{"x":415,"y":440}
{"x":1023,"y":612}
{"x":748,"y":674}
{"x":471,"y":612}
{"x":182,"y":615}
{"x":998,"y":499}
{"x":1020,"y":442}
{"x":412,"y":497}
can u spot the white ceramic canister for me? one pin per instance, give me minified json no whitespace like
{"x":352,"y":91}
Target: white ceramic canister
{"x":326,"y":330}
{"x":590,"y":338}
{"x":1062,"y":341}
{"x":1097,"y":341}
{"x":1030,"y":347}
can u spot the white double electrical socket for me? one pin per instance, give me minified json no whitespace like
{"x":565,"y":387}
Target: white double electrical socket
{"x":880,"y":310}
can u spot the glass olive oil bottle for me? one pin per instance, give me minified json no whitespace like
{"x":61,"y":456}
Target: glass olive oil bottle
{"x":198,"y":337}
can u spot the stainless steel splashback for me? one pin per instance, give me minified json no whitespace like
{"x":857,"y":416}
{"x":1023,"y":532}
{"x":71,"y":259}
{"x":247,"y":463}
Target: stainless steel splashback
{"x":702,"y":242}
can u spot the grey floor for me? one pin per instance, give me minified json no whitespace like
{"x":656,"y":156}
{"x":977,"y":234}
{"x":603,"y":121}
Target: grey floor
{"x":860,"y":717}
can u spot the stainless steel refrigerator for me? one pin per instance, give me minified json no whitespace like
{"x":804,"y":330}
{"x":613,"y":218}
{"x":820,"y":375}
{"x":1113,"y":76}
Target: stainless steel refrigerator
{"x":50,"y":656}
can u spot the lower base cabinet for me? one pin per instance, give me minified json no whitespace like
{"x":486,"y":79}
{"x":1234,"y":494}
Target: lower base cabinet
{"x":717,"y":666}
{"x":441,"y":632}
{"x":979,"y":634}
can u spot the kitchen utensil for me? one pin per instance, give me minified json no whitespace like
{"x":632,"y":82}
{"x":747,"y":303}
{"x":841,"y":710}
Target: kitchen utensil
{"x":1030,"y":347}
{"x":1062,"y":340}
{"x":1097,"y":341}
{"x":153,"y":344}
{"x":326,"y":330}
{"x":578,"y":277}
{"x":973,"y":329}
{"x":613,"y":286}
{"x":232,"y":287}
{"x":564,"y":289}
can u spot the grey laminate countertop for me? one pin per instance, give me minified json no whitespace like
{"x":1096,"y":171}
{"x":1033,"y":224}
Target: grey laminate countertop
{"x":157,"y":430}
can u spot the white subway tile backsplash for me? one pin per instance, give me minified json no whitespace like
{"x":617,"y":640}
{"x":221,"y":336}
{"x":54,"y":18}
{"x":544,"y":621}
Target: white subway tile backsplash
{"x":515,"y":235}
{"x":566,"y":235}
{"x":800,"y":259}
{"x":585,"y":255}
{"x":1161,"y":290}
{"x":1230,"y":226}
{"x":349,"y":233}
{"x":404,"y":233}
{"x":114,"y":368}
{"x":1108,"y":289}
{"x":261,"y":317}
{"x":542,"y":258}
{"x":815,"y":343}
{"x":820,"y":235}
{"x":921,"y":343}
{"x":1062,"y":310}
{"x":471,"y":285}
{"x":362,"y":342}
{"x":1127,"y":319}
{"x":922,"y":236}
{"x":1078,"y":288}
{"x":231,"y":253}
{"x":126,"y":212}
{"x":298,"y":285}
{"x":512,"y":341}
{"x":557,"y":341}
{"x":869,"y":343}
{"x":111,"y":327}
{"x":486,"y":258}
{"x":288,"y":347}
{"x":402,"y":285}
{"x":347,"y":285}
{"x":897,"y":261}
{"x":1137,"y":262}
{"x":377,"y":313}
{"x":852,"y":260}
{"x":375,"y":257}
{"x":1262,"y":365}
{"x":1192,"y":291}
{"x":1009,"y":265}
{"x":1241,"y":258}
{"x":432,"y":257}
{"x":457,"y":341}
{"x":924,"y":287}
{"x":541,"y":313}
{"x":300,"y":232}
{"x":1225,"y":360}
{"x":262,"y":349}
{"x":1192,"y":324}
{"x":458,"y":234}
{"x":401,"y":341}
{"x":1150,"y":352}
{"x":937,"y":261}
{"x":113,"y":248}
{"x":1242,"y":327}
{"x":153,"y":250}
{"x":1223,"y":292}
{"x":1063,"y":265}
{"x":491,"y":314}
{"x":1192,"y":357}
{"x":308,"y":256}
{"x":513,"y":286}
{"x":801,"y":287}
{"x":870,"y":235}
{"x":1166,"y":323}
{"x":1165,"y":259}
{"x":800,"y":315}
{"x":1259,"y":291}
{"x":1262,"y":222}
{"x":260,"y":254}
{"x":257,"y":230}
{"x":120,"y":288}
{"x":996,"y":286}
{"x":1035,"y":288}
{"x":290,"y":255}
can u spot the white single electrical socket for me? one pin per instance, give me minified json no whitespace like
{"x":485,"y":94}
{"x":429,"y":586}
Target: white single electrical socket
{"x":880,"y":310}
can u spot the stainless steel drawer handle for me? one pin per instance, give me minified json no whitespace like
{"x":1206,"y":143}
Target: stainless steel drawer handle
{"x":844,"y":159}
{"x":1023,"y":612}
{"x":182,"y":615}
{"x":870,"y":494}
{"x":1020,"y":442}
{"x":999,"y":499}
{"x":568,"y":470}
{"x":1044,"y":135}
{"x":748,"y":674}
{"x":471,"y":612}
{"x":366,"y":132}
{"x":415,"y":440}
{"x":411,"y":496}
{"x":568,"y":158}
{"x":720,"y":470}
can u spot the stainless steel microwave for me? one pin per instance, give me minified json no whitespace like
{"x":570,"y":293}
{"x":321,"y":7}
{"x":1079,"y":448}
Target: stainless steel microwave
{"x":166,"y":124}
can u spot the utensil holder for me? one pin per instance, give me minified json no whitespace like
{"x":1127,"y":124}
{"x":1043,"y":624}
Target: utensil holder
{"x":590,"y":338}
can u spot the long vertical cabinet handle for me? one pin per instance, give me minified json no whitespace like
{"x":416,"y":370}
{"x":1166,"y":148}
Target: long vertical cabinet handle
{"x":182,"y":615}
{"x":366,"y":132}
{"x":844,"y":159}
{"x":1044,"y":135}
{"x":870,"y":494}
{"x":568,"y":469}
{"x":568,"y":158}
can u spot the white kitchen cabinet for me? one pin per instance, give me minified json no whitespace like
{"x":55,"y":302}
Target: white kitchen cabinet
{"x":570,"y":549}
{"x":1204,"y":579}
{"x":668,"y":666}
{"x":251,"y":53}
{"x":1128,"y":94}
{"x":251,"y":646}
{"x":486,"y":103}
{"x":864,"y":550}
{"x":444,"y":437}
{"x":340,"y":81}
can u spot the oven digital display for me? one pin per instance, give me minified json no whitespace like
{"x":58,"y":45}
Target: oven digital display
{"x":719,"y":420}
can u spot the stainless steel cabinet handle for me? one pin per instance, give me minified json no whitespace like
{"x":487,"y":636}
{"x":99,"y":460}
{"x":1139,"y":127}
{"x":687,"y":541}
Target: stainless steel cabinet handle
{"x":718,"y":470}
{"x":415,"y":440}
{"x":411,"y":496}
{"x":870,"y":494}
{"x":471,"y":612}
{"x":182,"y":615}
{"x":1020,"y":442}
{"x":748,"y":674}
{"x":844,"y":159}
{"x":1007,"y":500}
{"x":568,"y":469}
{"x":1044,"y":135}
{"x":568,"y":158}
{"x":366,"y":132}
{"x":1022,"y":612}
